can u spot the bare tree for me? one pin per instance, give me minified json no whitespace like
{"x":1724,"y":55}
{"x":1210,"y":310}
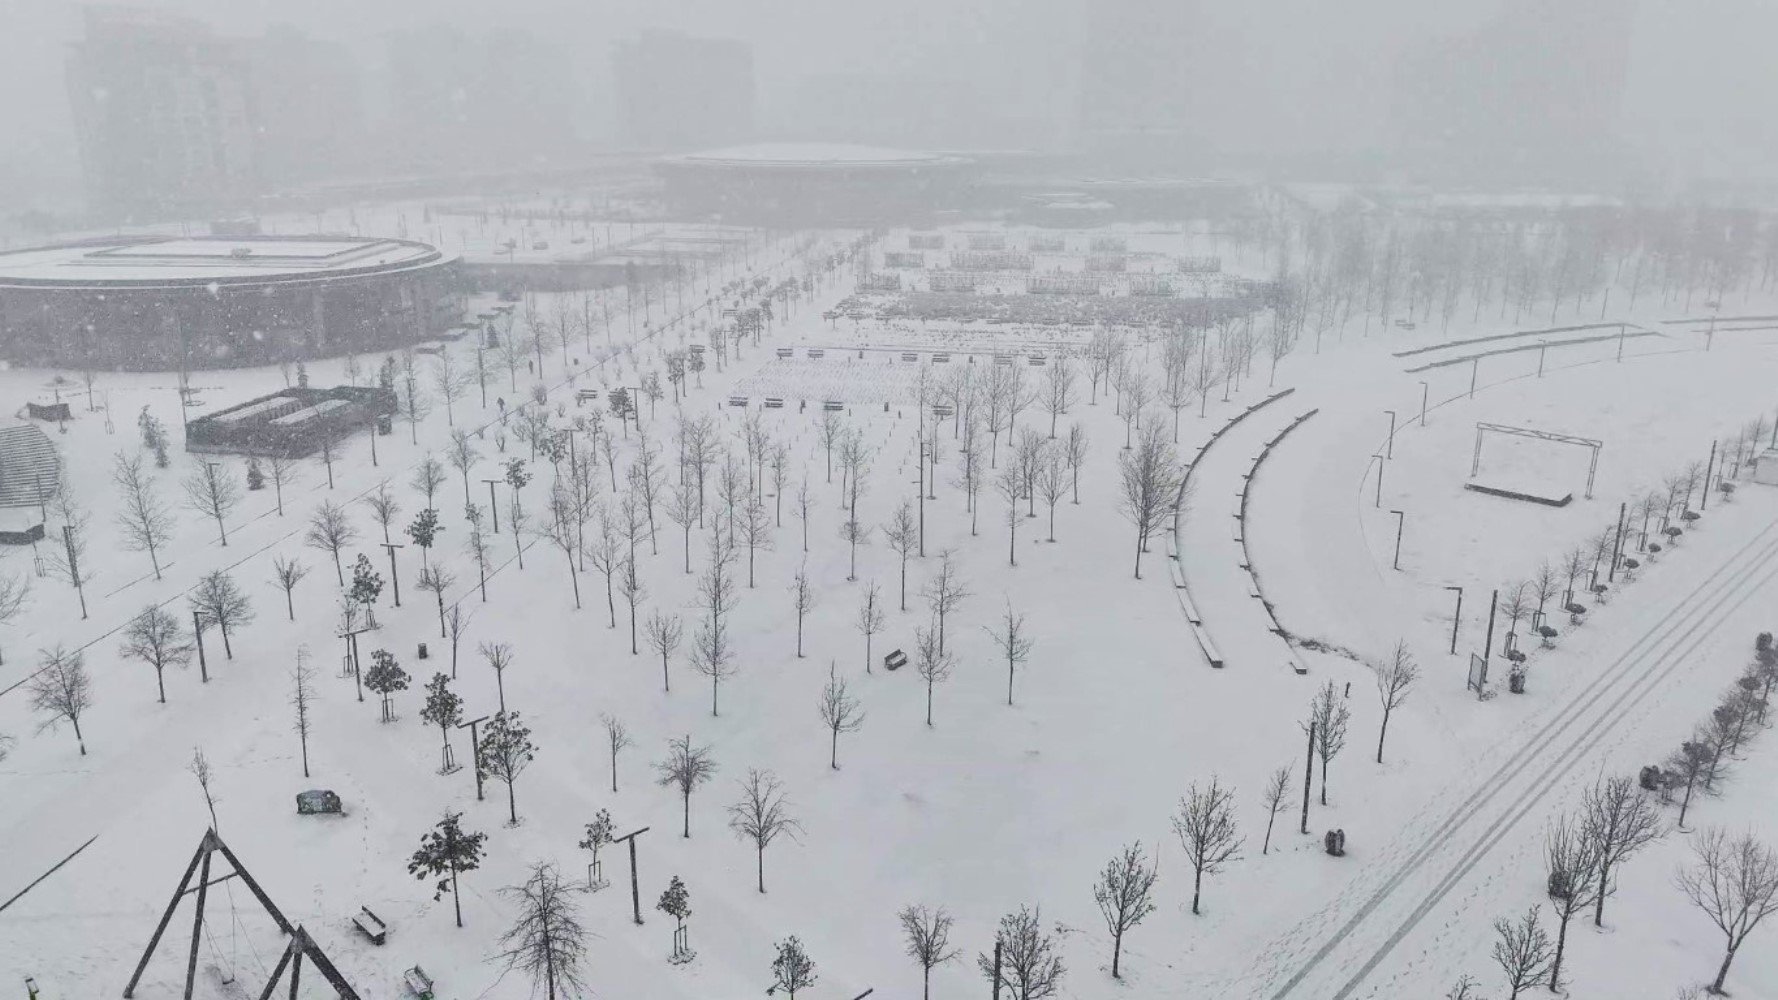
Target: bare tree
{"x":803,"y":599}
{"x":546,"y":942}
{"x":712,"y":654}
{"x":804,"y":504}
{"x":1395,"y":677}
{"x":1523,"y":952}
{"x":1328,"y":718}
{"x":1058,"y":391}
{"x":1735,"y":883}
{"x":428,"y":476}
{"x":1025,"y":958}
{"x":840,"y":713}
{"x":146,"y":522}
{"x":944,"y":592}
{"x":463,"y":457}
{"x":1149,"y":476}
{"x":1010,"y":484}
{"x":61,"y":691}
{"x":629,"y":584}
{"x":1014,"y":642}
{"x":435,"y":580}
{"x":302,"y":702}
{"x":282,"y":472}
{"x":1125,"y":894}
{"x":219,"y":601}
{"x":685,"y":768}
{"x":451,"y":382}
{"x":932,"y":663}
{"x":384,"y":508}
{"x":14,"y":591}
{"x":1690,"y":762}
{"x":663,"y":632}
{"x":213,"y":494}
{"x":684,"y":509}
{"x":756,"y":532}
{"x":928,"y":934}
{"x":1619,"y":820}
{"x":617,"y":740}
{"x":330,"y":531}
{"x":606,"y":552}
{"x":1205,"y":825}
{"x":288,"y":573}
{"x":1074,"y":450}
{"x":206,"y":775}
{"x":1573,"y":869}
{"x":499,"y":657}
{"x":869,"y":621}
{"x":1052,"y":484}
{"x":1277,"y":786}
{"x":902,"y":532}
{"x":762,"y":815}
{"x":156,"y":638}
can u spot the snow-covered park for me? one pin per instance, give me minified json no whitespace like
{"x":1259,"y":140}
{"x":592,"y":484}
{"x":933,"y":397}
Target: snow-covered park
{"x":929,"y":658}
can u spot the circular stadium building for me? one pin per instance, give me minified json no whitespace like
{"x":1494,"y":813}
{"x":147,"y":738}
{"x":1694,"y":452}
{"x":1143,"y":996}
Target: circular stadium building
{"x":814,"y":183}
{"x":206,"y":302}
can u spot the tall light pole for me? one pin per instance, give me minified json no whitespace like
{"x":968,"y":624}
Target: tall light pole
{"x":1425,"y":391}
{"x":1390,"y":452}
{"x":394,"y":576}
{"x":1400,"y":519}
{"x":475,"y":751}
{"x":1456,"y":618}
{"x":493,"y":504}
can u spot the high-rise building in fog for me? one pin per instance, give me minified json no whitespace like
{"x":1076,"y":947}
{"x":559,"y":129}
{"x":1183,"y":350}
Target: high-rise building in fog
{"x":676,"y":91}
{"x":164,"y":116}
{"x":308,"y":106}
{"x":1535,"y":93}
{"x":480,"y":101}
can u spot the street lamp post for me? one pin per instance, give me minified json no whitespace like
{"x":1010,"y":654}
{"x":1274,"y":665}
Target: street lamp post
{"x":197,"y":633}
{"x":493,"y":504}
{"x":1390,"y":452}
{"x":1379,"y":501}
{"x":1425,"y":391}
{"x":1400,"y":519}
{"x":475,"y":754}
{"x":394,"y":576}
{"x":1456,"y":617}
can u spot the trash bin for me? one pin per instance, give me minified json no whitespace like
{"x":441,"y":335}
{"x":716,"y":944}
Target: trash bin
{"x":422,"y":654}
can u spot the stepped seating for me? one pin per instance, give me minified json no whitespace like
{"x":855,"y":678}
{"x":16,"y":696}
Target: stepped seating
{"x":30,"y":469}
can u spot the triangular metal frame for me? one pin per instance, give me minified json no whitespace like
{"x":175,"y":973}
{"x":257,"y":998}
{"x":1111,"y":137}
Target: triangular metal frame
{"x":300,"y":944}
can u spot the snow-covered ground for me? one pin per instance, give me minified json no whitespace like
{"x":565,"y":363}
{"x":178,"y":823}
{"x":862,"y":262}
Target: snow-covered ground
{"x":1113,"y":718}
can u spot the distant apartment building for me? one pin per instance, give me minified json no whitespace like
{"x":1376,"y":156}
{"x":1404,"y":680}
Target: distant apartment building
{"x":175,"y":121}
{"x":164,"y":116}
{"x":679,"y":92}
{"x":1537,"y":93}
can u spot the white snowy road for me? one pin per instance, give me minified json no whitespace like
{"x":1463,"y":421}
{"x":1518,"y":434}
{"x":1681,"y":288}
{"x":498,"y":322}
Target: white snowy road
{"x":1337,"y":951}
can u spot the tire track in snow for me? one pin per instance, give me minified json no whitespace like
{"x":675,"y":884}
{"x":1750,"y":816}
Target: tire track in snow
{"x":1690,"y":611}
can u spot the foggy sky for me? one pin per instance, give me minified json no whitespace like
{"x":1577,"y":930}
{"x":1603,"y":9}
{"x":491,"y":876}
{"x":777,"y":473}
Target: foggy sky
{"x":1301,"y":75}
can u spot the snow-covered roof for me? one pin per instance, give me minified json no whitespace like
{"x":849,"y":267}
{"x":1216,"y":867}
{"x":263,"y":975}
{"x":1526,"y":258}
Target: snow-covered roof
{"x":817,"y":154}
{"x":200,"y":259}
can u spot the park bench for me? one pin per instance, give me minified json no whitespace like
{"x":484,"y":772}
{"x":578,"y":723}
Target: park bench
{"x":895,"y":660}
{"x":941,"y":359}
{"x":774,"y":402}
{"x":909,"y":356}
{"x":833,"y":405}
{"x":371,"y":925}
{"x":816,"y":352}
{"x":586,"y":396}
{"x":737,"y":401}
{"x":785,"y":352}
{"x":418,"y":983}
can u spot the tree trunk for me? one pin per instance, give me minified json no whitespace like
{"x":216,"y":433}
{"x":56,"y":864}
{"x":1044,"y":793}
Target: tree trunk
{"x":1117,"y":952}
{"x":161,"y":682}
{"x":1382,"y":732}
{"x":456,"y":896}
{"x":1561,"y":946}
{"x":512,"y":805}
{"x":1197,"y":886}
{"x":1267,"y":844}
{"x":1723,"y":973}
{"x":1324,"y":780}
{"x":760,"y":854}
{"x":685,"y":831}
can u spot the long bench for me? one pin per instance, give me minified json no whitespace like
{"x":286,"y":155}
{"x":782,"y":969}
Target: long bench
{"x":1255,"y":591}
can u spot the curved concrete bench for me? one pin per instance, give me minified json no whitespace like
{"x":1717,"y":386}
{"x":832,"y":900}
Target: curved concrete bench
{"x":1247,"y":557}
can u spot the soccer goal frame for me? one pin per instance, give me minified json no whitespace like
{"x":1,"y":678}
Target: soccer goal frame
{"x":1482,"y":428}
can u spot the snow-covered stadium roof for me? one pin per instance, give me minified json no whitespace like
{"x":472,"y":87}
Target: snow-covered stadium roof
{"x":816,"y":155}
{"x":157,"y":261}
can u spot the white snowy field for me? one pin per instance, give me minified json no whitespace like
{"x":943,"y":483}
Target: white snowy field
{"x":994,"y":806}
